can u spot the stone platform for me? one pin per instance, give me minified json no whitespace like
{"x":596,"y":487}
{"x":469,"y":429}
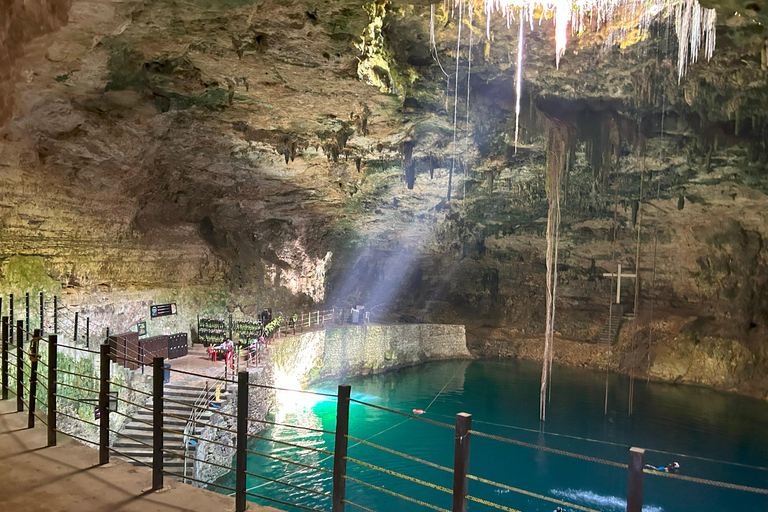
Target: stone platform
{"x":67,"y":477}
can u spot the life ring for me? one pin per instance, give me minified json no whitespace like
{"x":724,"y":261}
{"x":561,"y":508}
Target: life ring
{"x":418,"y":411}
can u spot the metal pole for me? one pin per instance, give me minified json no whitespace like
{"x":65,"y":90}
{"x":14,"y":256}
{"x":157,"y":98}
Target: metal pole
{"x":10,"y":315}
{"x":461,"y":462}
{"x":5,"y":358}
{"x":104,"y":403}
{"x":74,"y":340}
{"x":635,"y":481}
{"x":42,"y":315}
{"x":242,"y":440}
{"x":19,"y":366}
{"x":34,"y":356}
{"x":27,"y":308}
{"x":340,"y":448}
{"x":87,"y":331}
{"x":52,"y":362}
{"x":157,"y":423}
{"x":55,"y":314}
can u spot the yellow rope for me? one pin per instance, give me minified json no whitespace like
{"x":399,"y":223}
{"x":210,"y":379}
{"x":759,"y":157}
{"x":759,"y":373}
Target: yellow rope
{"x":391,"y":493}
{"x":529,"y":493}
{"x":550,"y":450}
{"x":400,"y":475}
{"x":706,"y":481}
{"x":491,"y":504}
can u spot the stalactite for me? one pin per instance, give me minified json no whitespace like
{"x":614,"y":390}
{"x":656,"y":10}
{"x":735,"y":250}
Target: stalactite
{"x":469,"y":78}
{"x":559,"y":143}
{"x":519,"y":80}
{"x":455,"y":99}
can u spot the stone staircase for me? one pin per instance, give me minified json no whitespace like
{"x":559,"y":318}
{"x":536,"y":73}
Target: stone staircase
{"x":610,"y":330}
{"x":140,"y":429}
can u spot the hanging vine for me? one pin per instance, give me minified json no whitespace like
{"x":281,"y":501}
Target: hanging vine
{"x":559,"y":142}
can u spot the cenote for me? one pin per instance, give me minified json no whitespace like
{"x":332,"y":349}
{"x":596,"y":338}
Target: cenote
{"x":713,"y":435}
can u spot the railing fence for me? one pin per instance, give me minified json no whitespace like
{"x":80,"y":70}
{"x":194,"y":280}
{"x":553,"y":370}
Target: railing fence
{"x":35,"y":367}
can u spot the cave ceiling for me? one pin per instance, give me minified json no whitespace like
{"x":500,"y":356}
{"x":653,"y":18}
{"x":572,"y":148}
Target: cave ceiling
{"x":252,"y":139}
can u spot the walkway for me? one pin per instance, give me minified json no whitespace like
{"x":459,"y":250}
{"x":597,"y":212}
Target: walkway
{"x":34,"y":478}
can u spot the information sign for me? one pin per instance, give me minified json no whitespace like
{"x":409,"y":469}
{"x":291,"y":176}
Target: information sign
{"x":162,"y":310}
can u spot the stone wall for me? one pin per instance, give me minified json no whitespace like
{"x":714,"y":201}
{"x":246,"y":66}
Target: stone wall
{"x":360,"y":350}
{"x":78,"y":391}
{"x":217,"y":444}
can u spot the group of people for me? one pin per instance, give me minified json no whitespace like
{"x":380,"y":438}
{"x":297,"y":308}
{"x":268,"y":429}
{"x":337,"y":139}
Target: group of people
{"x":254,"y":349}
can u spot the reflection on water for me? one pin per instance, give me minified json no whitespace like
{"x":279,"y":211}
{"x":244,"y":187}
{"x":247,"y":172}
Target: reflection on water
{"x":502,"y":396}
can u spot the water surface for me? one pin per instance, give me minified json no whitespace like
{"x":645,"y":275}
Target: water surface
{"x":693,"y":424}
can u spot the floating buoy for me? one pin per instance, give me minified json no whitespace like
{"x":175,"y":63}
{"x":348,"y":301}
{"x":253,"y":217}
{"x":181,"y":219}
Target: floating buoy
{"x":418,"y":411}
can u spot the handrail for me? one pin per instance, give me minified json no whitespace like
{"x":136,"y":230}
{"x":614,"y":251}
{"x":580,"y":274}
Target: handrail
{"x":190,"y":429}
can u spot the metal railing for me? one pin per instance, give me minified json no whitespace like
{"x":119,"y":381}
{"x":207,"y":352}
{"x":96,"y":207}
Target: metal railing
{"x":27,"y":374}
{"x":190,"y":429}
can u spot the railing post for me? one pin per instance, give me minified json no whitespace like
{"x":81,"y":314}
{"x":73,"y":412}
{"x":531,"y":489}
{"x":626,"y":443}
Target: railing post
{"x":42,"y":315}
{"x":88,"y":332}
{"x":53,"y":354}
{"x":242,"y":440}
{"x":5,"y":358}
{"x":340,"y":448}
{"x":55,"y":314}
{"x":157,"y":423}
{"x":461,"y":461}
{"x":74,"y":339}
{"x":19,"y":366}
{"x":635,"y":482}
{"x":34,"y":357}
{"x":26,"y":296}
{"x":10,"y":315}
{"x":104,"y":403}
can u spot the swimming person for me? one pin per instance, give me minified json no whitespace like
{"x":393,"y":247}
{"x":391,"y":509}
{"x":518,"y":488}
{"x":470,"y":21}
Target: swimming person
{"x":672,"y":467}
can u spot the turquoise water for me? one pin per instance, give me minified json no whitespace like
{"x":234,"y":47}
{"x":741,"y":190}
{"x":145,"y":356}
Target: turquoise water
{"x":502,"y":397}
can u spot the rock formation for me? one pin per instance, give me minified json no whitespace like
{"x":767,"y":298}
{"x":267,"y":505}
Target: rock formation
{"x":295,"y":153}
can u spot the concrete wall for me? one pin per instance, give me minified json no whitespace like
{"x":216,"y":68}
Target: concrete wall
{"x":360,"y":350}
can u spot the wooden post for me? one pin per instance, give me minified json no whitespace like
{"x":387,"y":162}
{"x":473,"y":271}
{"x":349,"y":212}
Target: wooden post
{"x":157,"y":423}
{"x":87,"y":331}
{"x":34,"y":356}
{"x":340,"y":448}
{"x":5,"y":358}
{"x":104,"y":403}
{"x":55,"y":314}
{"x":635,"y":481}
{"x":461,"y":462}
{"x":19,"y":366}
{"x":242,"y":440}
{"x":52,"y":363}
{"x":74,"y":339}
{"x":42,"y":315}
{"x":10,"y":315}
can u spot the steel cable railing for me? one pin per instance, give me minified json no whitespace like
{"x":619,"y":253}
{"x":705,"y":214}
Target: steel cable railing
{"x":275,"y":500}
{"x":292,"y":462}
{"x":70,"y":380}
{"x":411,"y":416}
{"x":395,"y":494}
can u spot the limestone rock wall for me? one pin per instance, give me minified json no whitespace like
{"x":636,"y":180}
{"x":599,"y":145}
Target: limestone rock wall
{"x":360,"y":350}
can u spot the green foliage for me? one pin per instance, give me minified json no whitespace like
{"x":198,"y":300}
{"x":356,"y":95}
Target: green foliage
{"x":272,"y":326}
